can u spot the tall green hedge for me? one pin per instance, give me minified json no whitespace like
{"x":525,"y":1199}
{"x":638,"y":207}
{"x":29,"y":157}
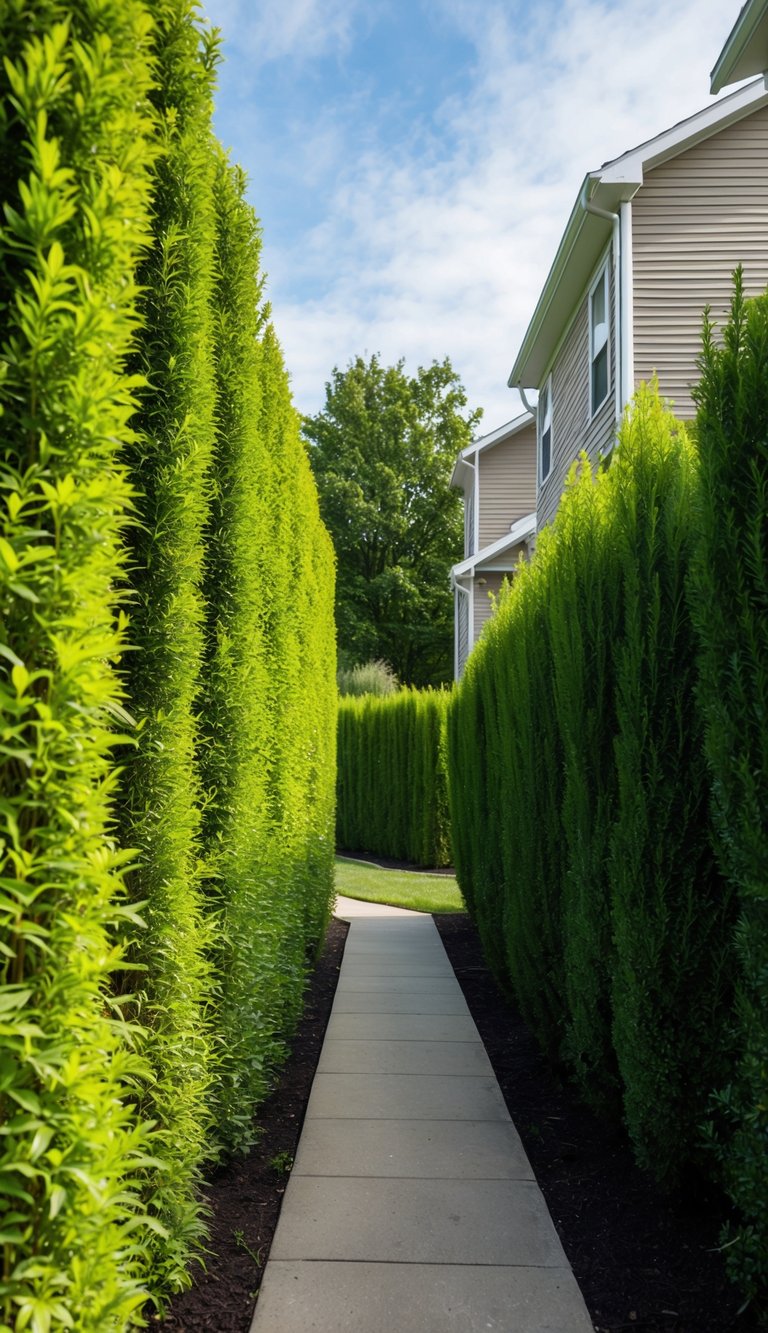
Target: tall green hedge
{"x":168,"y":701}
{"x":391,"y":792}
{"x":269,"y":696}
{"x":577,"y":717}
{"x":730,"y":605}
{"x":76,"y":134}
{"x":171,"y":460}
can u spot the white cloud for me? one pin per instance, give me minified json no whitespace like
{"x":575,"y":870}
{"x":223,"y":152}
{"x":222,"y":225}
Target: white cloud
{"x":443,"y":251}
{"x":275,"y":29}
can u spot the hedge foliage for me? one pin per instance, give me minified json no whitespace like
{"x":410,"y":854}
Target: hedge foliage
{"x":579,"y":798}
{"x":167,"y":812}
{"x":76,"y":131}
{"x":730,"y":607}
{"x":392,"y":795}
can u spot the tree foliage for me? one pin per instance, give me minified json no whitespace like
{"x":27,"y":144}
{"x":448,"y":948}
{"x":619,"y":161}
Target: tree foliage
{"x":382,"y":451}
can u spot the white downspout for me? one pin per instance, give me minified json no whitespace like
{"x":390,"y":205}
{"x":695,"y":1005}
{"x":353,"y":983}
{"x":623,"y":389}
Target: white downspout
{"x":627,"y":307}
{"x":615,"y":220}
{"x":525,"y":402}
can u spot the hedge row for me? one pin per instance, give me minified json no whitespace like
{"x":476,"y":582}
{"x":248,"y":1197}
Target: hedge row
{"x":391,"y":796}
{"x":167,"y":812}
{"x":580,"y":790}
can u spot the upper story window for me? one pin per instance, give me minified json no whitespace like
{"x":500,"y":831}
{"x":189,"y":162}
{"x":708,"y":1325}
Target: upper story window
{"x":544,"y":419}
{"x":599,"y":341}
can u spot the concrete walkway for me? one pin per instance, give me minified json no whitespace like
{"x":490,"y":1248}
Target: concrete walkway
{"x":411,"y":1207}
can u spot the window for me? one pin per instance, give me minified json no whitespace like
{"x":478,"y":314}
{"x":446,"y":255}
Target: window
{"x":599,"y":341}
{"x":544,"y":416}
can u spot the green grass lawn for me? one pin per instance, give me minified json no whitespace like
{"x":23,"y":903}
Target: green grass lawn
{"x":398,"y":888}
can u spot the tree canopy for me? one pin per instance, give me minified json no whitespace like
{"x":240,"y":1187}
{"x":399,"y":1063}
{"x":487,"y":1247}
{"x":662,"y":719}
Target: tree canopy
{"x":382,"y":450}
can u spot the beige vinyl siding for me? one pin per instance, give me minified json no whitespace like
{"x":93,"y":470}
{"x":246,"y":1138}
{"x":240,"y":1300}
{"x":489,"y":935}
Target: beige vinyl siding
{"x":572,"y":429}
{"x":482,"y":599}
{"x":507,"y":484}
{"x":693,"y":220}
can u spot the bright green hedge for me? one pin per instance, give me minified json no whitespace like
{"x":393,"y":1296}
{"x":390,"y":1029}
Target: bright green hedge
{"x":75,"y":135}
{"x":730,"y":604}
{"x":391,"y":790}
{"x":168,"y":810}
{"x":575,"y":748}
{"x":172,"y":463}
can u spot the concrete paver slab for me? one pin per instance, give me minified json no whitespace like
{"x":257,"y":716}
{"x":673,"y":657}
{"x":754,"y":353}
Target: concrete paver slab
{"x":399,"y":1002}
{"x":403,"y":1027}
{"x":442,"y":985}
{"x":449,"y":1149}
{"x":414,"y":1298}
{"x":415,"y":968}
{"x":418,"y":1221}
{"x":406,"y":1097}
{"x":404,"y":1057}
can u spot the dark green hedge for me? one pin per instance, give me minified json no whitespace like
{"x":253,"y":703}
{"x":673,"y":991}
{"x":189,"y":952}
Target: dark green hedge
{"x":168,"y":691}
{"x":391,"y":789}
{"x":730,"y":606}
{"x":579,"y":799}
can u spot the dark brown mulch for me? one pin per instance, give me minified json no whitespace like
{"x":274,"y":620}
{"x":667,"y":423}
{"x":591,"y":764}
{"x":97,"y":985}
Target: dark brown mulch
{"x":643,"y":1262}
{"x":245,"y":1197}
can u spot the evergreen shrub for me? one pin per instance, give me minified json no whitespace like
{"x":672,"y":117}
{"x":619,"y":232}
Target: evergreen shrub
{"x":729,"y":598}
{"x":392,"y":795}
{"x":76,"y":148}
{"x":171,"y":460}
{"x":376,"y":677}
{"x":578,"y":797}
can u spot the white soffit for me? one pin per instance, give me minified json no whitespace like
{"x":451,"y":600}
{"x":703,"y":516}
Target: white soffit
{"x":745,"y":52}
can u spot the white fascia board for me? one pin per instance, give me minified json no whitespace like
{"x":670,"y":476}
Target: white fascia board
{"x":745,"y":52}
{"x":496,"y":436}
{"x":518,"y":533}
{"x":685,"y":134}
{"x":586,"y":235}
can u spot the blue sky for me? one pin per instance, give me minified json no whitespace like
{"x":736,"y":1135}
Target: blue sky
{"x":414,"y":162}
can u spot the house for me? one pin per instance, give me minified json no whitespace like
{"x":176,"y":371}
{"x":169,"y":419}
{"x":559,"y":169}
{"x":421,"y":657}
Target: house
{"x":746,"y":49}
{"x":653,"y":238}
{"x":497,"y":474}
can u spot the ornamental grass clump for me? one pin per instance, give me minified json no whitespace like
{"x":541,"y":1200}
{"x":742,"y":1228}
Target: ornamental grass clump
{"x":76,"y":131}
{"x":729,"y":600}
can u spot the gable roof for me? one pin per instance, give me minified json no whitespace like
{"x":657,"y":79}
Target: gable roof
{"x":586,"y":235}
{"x":520,"y":532}
{"x":462,"y":472}
{"x":746,"y":47}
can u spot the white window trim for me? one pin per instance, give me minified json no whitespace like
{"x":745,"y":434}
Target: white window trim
{"x":602,"y":277}
{"x":540,"y":425}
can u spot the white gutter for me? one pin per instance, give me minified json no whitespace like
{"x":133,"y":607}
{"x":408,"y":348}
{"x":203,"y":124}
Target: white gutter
{"x":615,"y":220}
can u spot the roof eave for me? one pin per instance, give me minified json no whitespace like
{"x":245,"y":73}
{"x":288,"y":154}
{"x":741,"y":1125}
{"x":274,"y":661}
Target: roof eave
{"x":745,"y":52}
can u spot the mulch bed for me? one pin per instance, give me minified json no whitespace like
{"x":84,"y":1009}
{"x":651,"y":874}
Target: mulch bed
{"x":643,"y":1261}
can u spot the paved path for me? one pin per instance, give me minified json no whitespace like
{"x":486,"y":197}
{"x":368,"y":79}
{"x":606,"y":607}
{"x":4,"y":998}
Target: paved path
{"x":411,"y":1207}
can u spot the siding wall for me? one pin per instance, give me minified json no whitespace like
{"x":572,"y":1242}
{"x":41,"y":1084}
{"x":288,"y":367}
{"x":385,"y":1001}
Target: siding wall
{"x":507,"y":484}
{"x":572,"y":429}
{"x":693,"y":220}
{"x":483,"y":604}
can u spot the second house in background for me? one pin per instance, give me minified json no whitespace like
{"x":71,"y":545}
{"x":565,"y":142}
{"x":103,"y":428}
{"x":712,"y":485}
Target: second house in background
{"x":653,"y":239}
{"x":497,"y":474}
